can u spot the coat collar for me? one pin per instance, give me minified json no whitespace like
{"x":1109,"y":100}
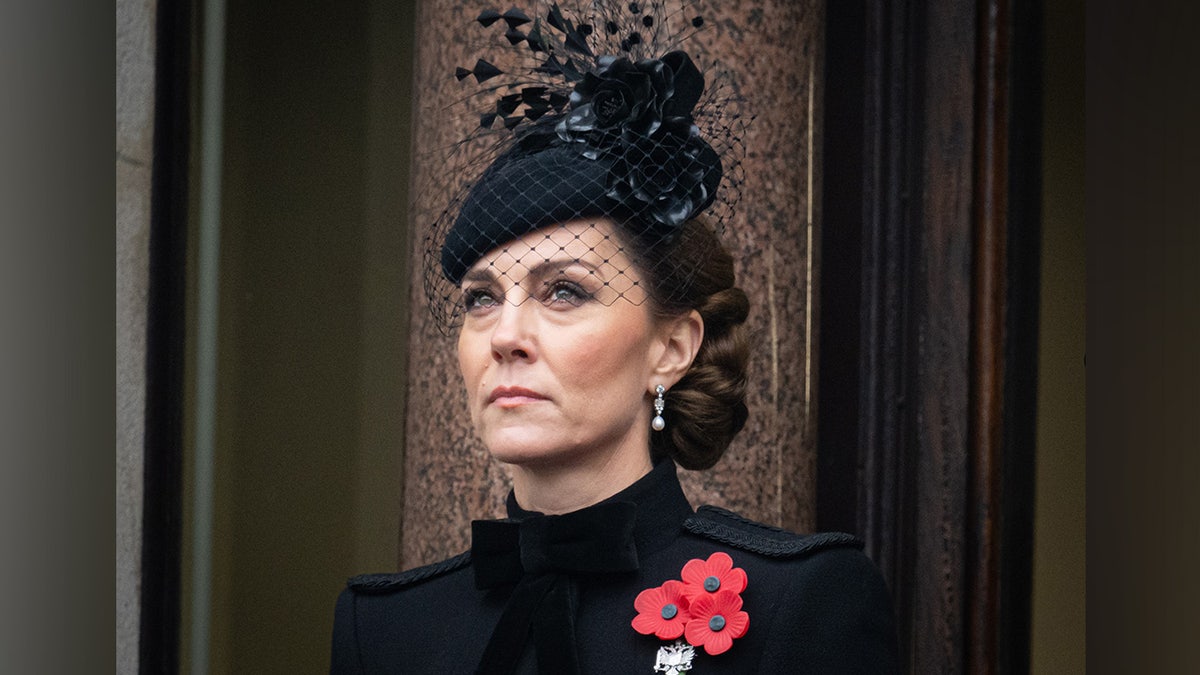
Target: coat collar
{"x":661,"y":507}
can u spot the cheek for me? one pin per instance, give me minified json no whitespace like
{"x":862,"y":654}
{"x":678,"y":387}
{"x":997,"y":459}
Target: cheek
{"x":470,"y":369}
{"x":613,"y":358}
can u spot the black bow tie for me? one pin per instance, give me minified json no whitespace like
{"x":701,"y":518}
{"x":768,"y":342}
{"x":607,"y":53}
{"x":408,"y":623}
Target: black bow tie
{"x":542,"y":555}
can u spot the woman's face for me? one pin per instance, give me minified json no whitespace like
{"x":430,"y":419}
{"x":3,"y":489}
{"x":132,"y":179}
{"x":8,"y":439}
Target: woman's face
{"x":558,"y":347}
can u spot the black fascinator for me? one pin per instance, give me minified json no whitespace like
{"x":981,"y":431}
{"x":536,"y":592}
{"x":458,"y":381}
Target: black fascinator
{"x":597,"y":113}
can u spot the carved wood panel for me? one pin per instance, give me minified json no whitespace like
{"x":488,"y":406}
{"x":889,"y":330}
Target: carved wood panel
{"x":939,"y":219}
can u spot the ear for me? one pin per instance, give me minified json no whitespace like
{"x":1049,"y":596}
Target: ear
{"x":681,"y":337}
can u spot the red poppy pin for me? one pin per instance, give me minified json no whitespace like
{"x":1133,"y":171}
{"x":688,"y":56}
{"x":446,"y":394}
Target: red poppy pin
{"x":705,"y":609}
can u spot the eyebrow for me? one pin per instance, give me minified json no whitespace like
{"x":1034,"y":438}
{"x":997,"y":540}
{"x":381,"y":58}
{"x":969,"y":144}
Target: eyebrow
{"x":542,"y":270}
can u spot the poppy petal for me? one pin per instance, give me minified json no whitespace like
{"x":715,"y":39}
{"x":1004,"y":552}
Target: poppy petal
{"x":718,"y":643}
{"x":737,"y":624}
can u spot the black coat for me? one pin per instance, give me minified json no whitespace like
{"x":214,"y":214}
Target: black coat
{"x":816,"y":603}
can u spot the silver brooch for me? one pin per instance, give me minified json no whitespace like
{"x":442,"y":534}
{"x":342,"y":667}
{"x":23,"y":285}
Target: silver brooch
{"x":675,"y":659}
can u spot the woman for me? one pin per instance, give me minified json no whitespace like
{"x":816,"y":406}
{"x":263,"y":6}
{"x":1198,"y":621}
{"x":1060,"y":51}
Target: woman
{"x":601,"y":344}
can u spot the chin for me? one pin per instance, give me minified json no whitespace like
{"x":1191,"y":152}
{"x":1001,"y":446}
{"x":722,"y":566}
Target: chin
{"x":532,"y":449}
{"x":523,"y":448}
{"x":523,"y":455}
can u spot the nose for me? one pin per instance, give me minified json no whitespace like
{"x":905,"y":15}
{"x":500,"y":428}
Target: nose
{"x":513,"y":334}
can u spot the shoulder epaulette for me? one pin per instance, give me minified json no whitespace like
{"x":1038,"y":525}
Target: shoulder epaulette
{"x":731,"y":529}
{"x":384,"y":583}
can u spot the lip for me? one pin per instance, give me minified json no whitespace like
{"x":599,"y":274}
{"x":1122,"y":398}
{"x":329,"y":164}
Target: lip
{"x":510,"y":397}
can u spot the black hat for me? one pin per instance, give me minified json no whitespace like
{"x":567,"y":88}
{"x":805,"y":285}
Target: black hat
{"x":650,"y":188}
{"x":625,"y":136}
{"x":520,"y":193}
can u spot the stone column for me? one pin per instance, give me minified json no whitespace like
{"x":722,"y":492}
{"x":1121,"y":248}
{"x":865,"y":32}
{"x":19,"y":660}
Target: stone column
{"x":776,"y":48}
{"x":135,"y":134}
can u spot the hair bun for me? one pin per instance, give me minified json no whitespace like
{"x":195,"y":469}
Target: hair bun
{"x":707,"y":407}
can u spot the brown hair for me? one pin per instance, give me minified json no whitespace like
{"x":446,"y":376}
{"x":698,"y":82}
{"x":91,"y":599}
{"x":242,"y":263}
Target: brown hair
{"x":707,"y":407}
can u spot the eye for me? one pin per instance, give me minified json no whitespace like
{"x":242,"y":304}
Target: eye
{"x":478,"y":299}
{"x":568,"y":292}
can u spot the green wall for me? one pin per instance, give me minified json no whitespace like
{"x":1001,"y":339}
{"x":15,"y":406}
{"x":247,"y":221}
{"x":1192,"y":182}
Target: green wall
{"x":1060,"y":544}
{"x":312,"y":323}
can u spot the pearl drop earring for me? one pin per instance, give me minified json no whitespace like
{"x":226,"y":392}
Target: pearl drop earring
{"x":658,"y":423}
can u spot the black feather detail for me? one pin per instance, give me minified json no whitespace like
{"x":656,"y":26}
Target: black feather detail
{"x":515,"y":17}
{"x":555,"y":18}
{"x":507,"y":104}
{"x":533,"y":95}
{"x":578,"y":43}
{"x":572,"y":71}
{"x":536,"y":41}
{"x":514,"y":36}
{"x":485,"y":71}
{"x":488,"y":17}
{"x":461,"y":73}
{"x":551,"y":66}
{"x":535,"y":111}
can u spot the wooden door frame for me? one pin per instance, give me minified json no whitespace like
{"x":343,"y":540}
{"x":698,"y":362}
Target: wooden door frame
{"x":931,"y":229}
{"x":163,"y":469}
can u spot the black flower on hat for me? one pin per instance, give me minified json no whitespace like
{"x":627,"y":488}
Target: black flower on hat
{"x":640,"y":115}
{"x":670,"y":175}
{"x":620,"y":97}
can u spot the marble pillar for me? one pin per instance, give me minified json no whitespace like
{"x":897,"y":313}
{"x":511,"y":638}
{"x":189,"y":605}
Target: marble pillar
{"x":768,"y":474}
